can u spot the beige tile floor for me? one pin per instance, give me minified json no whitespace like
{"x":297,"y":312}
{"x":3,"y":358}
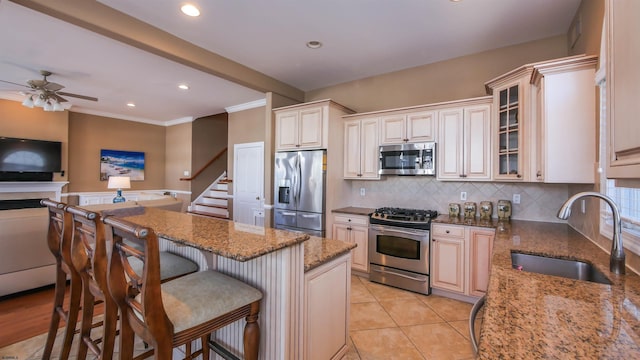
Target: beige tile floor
{"x":389,"y":323}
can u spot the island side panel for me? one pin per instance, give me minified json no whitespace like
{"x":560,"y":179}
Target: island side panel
{"x":280,"y":277}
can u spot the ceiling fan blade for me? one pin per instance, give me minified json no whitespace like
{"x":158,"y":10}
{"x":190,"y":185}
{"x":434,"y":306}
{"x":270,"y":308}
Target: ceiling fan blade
{"x":37,"y":84}
{"x":53,"y":86}
{"x":58,"y":98}
{"x":9,"y":82}
{"x":90,"y":98}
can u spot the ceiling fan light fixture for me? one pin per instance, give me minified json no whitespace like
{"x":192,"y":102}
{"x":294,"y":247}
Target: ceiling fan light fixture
{"x":47,"y":106}
{"x":190,"y":10}
{"x":39,"y":101}
{"x":28,"y":102}
{"x":57,"y":106}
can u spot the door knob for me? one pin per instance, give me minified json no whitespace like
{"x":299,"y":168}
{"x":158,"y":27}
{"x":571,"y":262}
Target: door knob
{"x":257,"y":197}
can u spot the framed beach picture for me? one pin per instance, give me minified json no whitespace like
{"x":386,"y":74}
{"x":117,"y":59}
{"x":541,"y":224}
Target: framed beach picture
{"x":121,"y":163}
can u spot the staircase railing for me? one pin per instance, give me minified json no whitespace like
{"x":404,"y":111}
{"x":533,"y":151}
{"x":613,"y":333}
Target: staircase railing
{"x":203,"y":168}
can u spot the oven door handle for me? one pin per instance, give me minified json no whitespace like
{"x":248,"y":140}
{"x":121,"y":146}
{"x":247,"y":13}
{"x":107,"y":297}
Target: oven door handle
{"x":382,"y":229}
{"x":414,"y":278}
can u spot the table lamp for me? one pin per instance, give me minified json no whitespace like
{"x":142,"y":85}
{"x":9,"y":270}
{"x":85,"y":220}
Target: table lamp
{"x":119,"y":182}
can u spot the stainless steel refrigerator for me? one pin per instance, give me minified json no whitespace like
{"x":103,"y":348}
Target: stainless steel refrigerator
{"x":300,"y":183}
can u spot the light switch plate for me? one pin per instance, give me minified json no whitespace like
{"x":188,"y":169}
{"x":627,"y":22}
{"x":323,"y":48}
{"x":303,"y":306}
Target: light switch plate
{"x":463,"y":195}
{"x":362,"y":192}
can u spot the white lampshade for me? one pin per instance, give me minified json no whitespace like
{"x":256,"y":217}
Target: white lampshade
{"x":57,"y":106}
{"x":47,"y":106}
{"x":119,"y":182}
{"x":28,"y":102}
{"x":39,"y":101}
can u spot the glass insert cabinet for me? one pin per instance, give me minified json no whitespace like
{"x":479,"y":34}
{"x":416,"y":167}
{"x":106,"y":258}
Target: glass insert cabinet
{"x":509,"y":132}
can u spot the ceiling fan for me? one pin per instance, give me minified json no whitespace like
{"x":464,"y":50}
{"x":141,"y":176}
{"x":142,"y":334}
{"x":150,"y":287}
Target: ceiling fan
{"x":46,"y":94}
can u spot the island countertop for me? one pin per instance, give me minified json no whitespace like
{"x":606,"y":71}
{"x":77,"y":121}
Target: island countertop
{"x":225,"y":238}
{"x":533,"y":316}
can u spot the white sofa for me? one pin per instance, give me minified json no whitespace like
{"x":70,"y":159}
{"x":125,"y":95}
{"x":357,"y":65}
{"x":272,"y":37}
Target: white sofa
{"x":25,"y":260}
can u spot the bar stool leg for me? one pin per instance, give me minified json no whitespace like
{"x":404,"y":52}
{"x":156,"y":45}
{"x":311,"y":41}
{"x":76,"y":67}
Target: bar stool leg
{"x":252,"y":333}
{"x":75,"y":294}
{"x":58,"y":300}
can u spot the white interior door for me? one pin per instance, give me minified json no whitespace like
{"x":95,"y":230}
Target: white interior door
{"x":248,"y":183}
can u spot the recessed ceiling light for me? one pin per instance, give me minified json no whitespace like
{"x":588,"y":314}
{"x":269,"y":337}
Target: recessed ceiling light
{"x":314,"y":44}
{"x":131,"y":104}
{"x":183,"y":86}
{"x":190,"y":10}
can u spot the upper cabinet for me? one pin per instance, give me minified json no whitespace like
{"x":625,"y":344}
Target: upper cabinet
{"x":408,"y":127}
{"x":623,"y":87}
{"x":301,"y":129}
{"x":511,"y":94}
{"x":544,"y":122}
{"x":307,"y":126}
{"x":464,"y":145}
{"x":361,"y":148}
{"x":565,"y":121}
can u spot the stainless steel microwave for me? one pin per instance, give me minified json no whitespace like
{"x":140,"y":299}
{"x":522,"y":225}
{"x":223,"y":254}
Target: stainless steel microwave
{"x":408,"y":159}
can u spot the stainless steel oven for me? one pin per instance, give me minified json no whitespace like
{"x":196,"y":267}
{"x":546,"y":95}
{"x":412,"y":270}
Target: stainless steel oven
{"x":399,"y":257}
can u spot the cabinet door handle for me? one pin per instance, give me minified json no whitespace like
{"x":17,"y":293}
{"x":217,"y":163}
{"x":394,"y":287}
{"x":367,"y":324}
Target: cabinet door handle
{"x":539,"y":174}
{"x":447,"y":231}
{"x":349,"y":228}
{"x":519,"y":176}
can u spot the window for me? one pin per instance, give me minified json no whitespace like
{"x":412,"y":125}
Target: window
{"x":627,"y":199}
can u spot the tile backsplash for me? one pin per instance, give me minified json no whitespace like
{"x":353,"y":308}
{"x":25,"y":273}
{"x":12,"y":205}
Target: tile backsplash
{"x":538,"y":202}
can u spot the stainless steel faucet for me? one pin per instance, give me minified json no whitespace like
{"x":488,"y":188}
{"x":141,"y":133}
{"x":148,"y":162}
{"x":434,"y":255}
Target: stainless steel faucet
{"x":616,"y":262}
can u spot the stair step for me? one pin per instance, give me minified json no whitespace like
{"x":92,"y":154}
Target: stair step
{"x":216,"y":193}
{"x":208,"y":215}
{"x":220,"y":187}
{"x":208,"y":209}
{"x":216,"y":201}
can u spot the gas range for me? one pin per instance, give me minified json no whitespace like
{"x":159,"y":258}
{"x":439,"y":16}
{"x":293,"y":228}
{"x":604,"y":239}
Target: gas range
{"x":407,"y":218}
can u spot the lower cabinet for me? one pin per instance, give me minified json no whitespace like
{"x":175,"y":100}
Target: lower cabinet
{"x":354,"y":229}
{"x":326,"y":310}
{"x":461,"y":258}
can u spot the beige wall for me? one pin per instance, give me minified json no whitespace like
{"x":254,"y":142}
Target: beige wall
{"x":21,"y":122}
{"x":244,"y":127}
{"x":177,"y":156}
{"x":88,"y":134}
{"x":209,"y":137}
{"x":591,"y":14}
{"x":458,"y":78}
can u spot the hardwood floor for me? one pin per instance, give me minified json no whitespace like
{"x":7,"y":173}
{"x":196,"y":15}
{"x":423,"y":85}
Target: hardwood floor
{"x":27,"y":314}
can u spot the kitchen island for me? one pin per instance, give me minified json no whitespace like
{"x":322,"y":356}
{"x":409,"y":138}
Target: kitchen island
{"x":273,"y":261}
{"x":533,"y":316}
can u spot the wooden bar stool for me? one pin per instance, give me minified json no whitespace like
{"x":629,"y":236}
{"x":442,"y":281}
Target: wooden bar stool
{"x":179,"y":311}
{"x":59,"y":242}
{"x":90,"y":258}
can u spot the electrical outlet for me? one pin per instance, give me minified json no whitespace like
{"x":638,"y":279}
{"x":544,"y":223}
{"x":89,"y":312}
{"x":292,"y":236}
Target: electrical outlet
{"x":362,"y":192}
{"x":463,"y":195}
{"x":516,"y":198}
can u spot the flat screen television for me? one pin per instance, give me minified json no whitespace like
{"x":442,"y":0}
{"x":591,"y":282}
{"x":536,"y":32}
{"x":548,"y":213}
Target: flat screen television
{"x":30,"y":156}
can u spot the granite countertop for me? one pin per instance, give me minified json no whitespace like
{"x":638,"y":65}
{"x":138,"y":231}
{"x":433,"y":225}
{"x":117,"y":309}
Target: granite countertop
{"x":534,"y":316}
{"x":318,"y":251}
{"x":232,"y":240}
{"x":352,"y":210}
{"x":446,"y":219}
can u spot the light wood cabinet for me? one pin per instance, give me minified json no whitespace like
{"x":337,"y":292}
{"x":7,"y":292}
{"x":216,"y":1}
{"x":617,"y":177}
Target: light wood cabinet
{"x":354,"y":229}
{"x":408,"y":127}
{"x":447,"y":264}
{"x":623,"y":87}
{"x":464,"y":135}
{"x":511,"y":94}
{"x":480,"y":248}
{"x":361,"y":149}
{"x":460,"y":258}
{"x":326,"y":310}
{"x":565,"y":121}
{"x":301,"y":129}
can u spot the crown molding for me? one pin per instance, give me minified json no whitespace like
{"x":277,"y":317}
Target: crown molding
{"x":246,"y":106}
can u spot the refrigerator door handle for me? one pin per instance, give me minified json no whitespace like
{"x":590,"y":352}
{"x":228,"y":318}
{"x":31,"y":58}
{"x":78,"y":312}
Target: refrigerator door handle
{"x":298,"y":178}
{"x":309,"y":216}
{"x":287,"y":213}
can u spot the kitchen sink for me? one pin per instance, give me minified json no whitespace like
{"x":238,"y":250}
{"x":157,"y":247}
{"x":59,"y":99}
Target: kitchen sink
{"x":572,"y":269}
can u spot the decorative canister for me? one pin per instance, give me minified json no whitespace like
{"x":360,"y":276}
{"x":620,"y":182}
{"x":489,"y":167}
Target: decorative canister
{"x":504,"y":209}
{"x":486,"y":210}
{"x":469,"y":210}
{"x":454,"y":210}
